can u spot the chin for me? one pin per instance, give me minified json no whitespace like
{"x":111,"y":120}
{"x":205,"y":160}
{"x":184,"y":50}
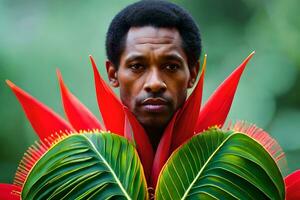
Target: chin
{"x":158,"y":122}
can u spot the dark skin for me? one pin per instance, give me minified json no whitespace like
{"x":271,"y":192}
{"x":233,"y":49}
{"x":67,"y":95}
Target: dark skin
{"x":153,"y":77}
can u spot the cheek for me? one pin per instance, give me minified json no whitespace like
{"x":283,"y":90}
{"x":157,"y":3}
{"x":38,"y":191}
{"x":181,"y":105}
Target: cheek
{"x":178,"y":88}
{"x":128,"y":89}
{"x":181,"y":95}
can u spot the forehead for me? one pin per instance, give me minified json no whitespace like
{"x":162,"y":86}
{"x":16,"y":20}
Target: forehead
{"x":151,"y":39}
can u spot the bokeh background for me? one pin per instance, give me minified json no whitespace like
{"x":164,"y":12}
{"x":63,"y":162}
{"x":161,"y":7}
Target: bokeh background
{"x":37,"y":37}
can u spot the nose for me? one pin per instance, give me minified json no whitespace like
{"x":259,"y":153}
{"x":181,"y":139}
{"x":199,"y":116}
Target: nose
{"x":154,"y":83}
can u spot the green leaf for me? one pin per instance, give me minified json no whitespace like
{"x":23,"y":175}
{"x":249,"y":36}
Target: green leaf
{"x":220,"y":165}
{"x":87,"y":166}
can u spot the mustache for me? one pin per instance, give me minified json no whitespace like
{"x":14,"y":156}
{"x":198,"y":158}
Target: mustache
{"x":142,"y":98}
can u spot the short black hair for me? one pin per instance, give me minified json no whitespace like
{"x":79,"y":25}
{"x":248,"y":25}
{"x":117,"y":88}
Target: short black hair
{"x":156,"y":13}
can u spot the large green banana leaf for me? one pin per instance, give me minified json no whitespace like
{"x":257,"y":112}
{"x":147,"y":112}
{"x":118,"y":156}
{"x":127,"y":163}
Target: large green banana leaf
{"x":87,"y":166}
{"x":220,"y":165}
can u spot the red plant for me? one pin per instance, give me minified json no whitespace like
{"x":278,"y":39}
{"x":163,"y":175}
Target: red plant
{"x":187,"y":121}
{"x":292,"y":186}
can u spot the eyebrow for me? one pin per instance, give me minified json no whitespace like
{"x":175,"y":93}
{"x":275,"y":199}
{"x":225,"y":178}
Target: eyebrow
{"x":173,"y":57}
{"x":165,"y":57}
{"x":135,"y":57}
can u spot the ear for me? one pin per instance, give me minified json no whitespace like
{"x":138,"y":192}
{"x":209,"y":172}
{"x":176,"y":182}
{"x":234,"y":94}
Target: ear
{"x":193,"y":74}
{"x":112,"y":73}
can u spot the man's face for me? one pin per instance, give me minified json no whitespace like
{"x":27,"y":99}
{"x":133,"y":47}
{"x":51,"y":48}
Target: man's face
{"x":153,"y":74}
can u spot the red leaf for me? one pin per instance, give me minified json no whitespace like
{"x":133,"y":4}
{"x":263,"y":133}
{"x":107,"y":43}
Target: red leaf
{"x":292,"y":186}
{"x":79,"y":116}
{"x":9,"y":192}
{"x":163,"y":150}
{"x":43,"y":120}
{"x":110,"y":106}
{"x":142,"y":142}
{"x":216,"y":109}
{"x":185,"y":124}
{"x":128,"y":132}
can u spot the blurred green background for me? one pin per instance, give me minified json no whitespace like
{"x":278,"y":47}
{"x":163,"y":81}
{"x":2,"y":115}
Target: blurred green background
{"x":36,"y":37}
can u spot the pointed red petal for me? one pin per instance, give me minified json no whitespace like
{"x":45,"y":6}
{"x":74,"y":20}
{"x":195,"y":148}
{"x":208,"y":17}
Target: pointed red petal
{"x":110,"y":107}
{"x":79,"y":116}
{"x":43,"y":120}
{"x":218,"y":105}
{"x":292,"y":186}
{"x":185,"y":125}
{"x":142,"y":142}
{"x":163,"y":150}
{"x":128,"y":132}
{"x":9,"y":192}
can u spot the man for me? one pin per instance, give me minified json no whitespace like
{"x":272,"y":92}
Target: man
{"x":153,"y":48}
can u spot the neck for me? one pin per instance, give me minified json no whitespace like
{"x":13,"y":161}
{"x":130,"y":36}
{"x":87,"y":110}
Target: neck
{"x":154,"y":134}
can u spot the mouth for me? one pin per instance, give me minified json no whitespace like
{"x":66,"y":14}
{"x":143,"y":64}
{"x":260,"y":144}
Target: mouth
{"x":155,"y":105}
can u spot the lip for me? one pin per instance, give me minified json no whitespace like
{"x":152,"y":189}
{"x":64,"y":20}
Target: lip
{"x":154,"y":101}
{"x":155,"y":105}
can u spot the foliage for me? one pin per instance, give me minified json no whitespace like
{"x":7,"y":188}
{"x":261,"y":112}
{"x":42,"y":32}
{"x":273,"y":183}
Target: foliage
{"x":52,"y":170}
{"x":214,"y":164}
{"x":220,"y":165}
{"x":87,"y":166}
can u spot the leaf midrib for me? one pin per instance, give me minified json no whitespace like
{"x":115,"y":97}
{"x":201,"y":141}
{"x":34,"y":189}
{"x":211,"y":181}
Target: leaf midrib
{"x":205,"y":164}
{"x":109,"y":167}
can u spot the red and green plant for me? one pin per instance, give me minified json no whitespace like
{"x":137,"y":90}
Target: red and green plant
{"x":197,"y":157}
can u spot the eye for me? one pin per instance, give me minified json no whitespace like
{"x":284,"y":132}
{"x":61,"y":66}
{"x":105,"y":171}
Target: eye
{"x":136,"y":67}
{"x":172,"y":67}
